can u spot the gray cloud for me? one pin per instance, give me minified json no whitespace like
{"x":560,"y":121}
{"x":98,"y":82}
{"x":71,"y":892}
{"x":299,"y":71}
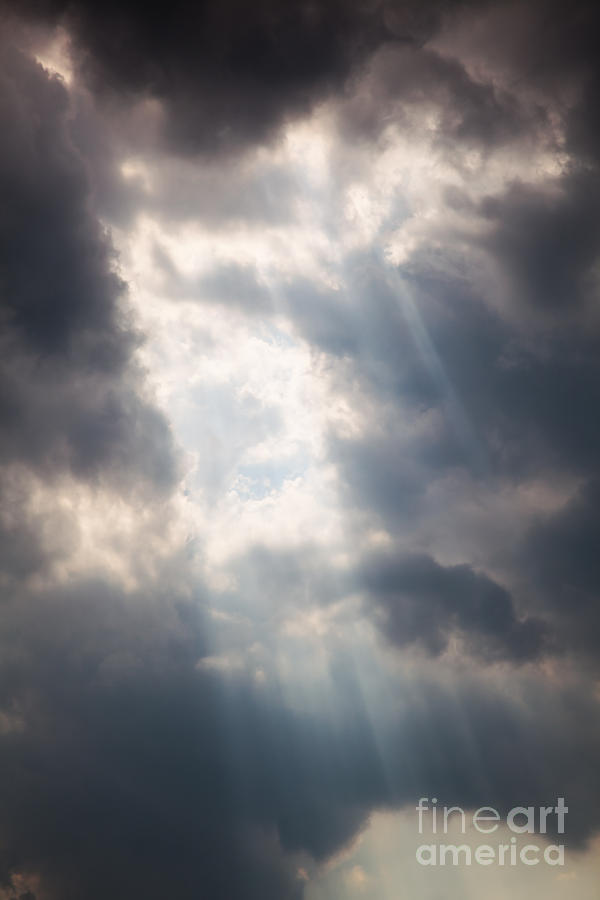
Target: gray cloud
{"x":560,"y":561}
{"x":494,"y":396}
{"x":226,"y":75}
{"x":127,"y":769}
{"x":135,"y":772}
{"x":415,"y":600}
{"x":548,"y":242}
{"x":71,"y":397}
{"x":545,"y":50}
{"x":406,"y":84}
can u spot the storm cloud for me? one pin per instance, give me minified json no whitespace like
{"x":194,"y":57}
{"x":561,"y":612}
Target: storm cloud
{"x":299,"y":456}
{"x":71,"y":396}
{"x":417,"y":600}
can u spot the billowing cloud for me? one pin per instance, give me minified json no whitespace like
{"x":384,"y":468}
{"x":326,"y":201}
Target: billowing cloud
{"x":299,"y":454}
{"x":225,"y":75}
{"x":71,"y":397}
{"x":418,"y":601}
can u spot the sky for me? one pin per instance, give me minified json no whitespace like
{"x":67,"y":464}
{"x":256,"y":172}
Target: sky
{"x":299,"y":448}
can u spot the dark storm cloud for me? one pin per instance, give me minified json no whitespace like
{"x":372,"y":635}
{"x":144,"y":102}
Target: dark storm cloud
{"x":547,"y":241}
{"x":415,"y":600}
{"x":126,"y":770}
{"x":71,"y":398}
{"x":560,"y":559}
{"x":228,"y":73}
{"x":134,"y":773}
{"x":59,"y":294}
